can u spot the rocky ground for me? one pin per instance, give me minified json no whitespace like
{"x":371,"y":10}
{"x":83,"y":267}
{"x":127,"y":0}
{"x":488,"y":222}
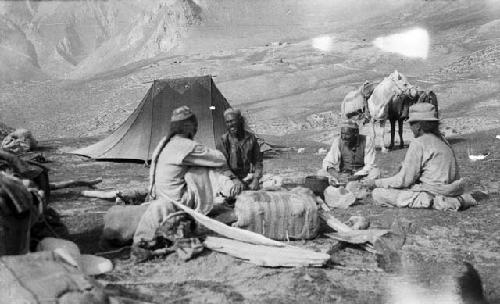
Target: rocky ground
{"x":435,"y":246}
{"x":292,"y":90}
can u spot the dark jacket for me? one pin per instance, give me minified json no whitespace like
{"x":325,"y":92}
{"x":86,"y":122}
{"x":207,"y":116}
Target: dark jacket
{"x":243,"y":156}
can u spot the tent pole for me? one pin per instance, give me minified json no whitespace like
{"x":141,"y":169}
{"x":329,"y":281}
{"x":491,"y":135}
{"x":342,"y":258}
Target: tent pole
{"x":151,"y":131}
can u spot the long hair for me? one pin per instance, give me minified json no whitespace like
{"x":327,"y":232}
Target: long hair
{"x":176,"y":127}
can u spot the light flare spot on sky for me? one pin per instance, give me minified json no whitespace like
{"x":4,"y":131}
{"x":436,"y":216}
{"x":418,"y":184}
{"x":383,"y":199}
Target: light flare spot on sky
{"x":413,"y":43}
{"x":323,"y":43}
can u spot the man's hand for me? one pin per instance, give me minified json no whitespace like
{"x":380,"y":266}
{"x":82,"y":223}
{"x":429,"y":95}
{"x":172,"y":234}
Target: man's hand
{"x":236,"y":188}
{"x":369,"y":184}
{"x":254,"y":185}
{"x":355,"y":177}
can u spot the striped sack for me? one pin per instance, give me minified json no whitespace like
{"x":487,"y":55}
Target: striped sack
{"x":278,"y":215}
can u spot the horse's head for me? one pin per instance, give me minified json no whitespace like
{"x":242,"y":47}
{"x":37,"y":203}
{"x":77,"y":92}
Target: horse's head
{"x":401,"y":86}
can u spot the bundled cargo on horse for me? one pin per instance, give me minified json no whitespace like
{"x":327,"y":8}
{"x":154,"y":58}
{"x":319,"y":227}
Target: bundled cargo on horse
{"x":389,"y":100}
{"x":356,"y":102}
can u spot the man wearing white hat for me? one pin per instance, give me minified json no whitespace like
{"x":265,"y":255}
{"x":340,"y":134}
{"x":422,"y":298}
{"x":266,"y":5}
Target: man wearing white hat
{"x":350,"y":155}
{"x":184,"y":171}
{"x":429,"y":176}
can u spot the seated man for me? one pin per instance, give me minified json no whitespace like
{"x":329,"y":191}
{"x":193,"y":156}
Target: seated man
{"x":184,"y":171}
{"x":429,"y":176}
{"x":242,"y":151}
{"x":352,"y":156}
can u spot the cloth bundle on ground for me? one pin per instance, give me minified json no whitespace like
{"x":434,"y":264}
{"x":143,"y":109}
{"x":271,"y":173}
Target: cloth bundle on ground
{"x":87,"y":263}
{"x":120,"y":223}
{"x":279,"y":215}
{"x":46,"y":277}
{"x":20,"y":141}
{"x":358,"y":222}
{"x":272,"y":182}
{"x":17,"y":214}
{"x":26,"y":170}
{"x":178,"y":235}
{"x":178,"y":225}
{"x":338,"y":197}
{"x":343,"y":197}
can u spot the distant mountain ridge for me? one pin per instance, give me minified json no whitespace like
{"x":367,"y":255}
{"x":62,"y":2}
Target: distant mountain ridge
{"x":67,"y":39}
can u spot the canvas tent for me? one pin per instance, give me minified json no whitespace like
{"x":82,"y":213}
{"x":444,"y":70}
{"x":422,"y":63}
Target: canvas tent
{"x":138,"y":136}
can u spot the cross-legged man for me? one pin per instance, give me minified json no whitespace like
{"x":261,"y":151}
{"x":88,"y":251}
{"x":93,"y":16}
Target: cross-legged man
{"x":182,"y":171}
{"x":242,"y":151}
{"x":351,"y":156}
{"x":429,"y":176}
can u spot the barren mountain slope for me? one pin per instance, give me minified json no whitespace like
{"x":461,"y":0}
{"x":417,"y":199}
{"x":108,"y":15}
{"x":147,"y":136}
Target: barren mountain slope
{"x":275,"y":72}
{"x":82,"y":37}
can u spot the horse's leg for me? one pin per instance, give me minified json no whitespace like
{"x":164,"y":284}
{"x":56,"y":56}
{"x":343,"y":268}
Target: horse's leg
{"x":382,"y":136}
{"x":372,"y":133}
{"x":393,"y":131}
{"x":375,"y":130}
{"x":400,"y":131}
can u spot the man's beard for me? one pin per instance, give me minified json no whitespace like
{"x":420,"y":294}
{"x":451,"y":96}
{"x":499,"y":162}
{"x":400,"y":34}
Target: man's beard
{"x":352,"y":143}
{"x":236,"y":131}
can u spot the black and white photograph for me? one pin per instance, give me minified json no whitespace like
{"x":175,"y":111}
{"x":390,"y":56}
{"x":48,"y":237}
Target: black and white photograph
{"x":250,"y":151}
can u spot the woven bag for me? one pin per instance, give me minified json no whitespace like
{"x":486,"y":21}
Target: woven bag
{"x":279,"y":215}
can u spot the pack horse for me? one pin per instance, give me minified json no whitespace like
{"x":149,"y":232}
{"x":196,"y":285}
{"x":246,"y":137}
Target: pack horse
{"x":389,"y":100}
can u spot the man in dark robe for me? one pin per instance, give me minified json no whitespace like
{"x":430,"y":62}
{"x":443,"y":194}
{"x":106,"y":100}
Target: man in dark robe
{"x":242,"y":151}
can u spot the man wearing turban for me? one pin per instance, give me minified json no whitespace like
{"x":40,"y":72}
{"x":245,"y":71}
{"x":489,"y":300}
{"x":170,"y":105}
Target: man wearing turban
{"x":184,"y":171}
{"x":351,"y":156}
{"x":242,"y":151}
